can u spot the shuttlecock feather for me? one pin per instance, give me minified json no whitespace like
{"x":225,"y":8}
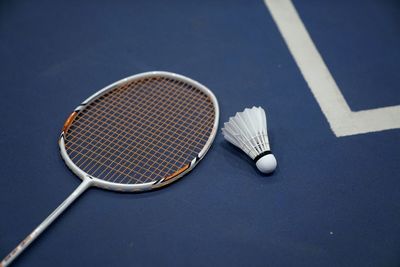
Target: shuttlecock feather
{"x":248,"y":131}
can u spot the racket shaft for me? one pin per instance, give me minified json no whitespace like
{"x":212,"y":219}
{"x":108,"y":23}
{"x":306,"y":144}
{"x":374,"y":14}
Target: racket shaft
{"x":35,"y":233}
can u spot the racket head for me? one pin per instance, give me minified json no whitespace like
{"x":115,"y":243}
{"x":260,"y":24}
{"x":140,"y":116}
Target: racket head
{"x":163,"y":179}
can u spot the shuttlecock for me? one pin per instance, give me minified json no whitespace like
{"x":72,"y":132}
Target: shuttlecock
{"x":248,"y":131}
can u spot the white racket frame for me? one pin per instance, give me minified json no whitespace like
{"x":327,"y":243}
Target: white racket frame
{"x":154,"y":184}
{"x":88,"y":180}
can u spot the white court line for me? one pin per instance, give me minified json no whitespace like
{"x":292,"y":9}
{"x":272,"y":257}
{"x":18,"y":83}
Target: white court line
{"x":342,"y":120}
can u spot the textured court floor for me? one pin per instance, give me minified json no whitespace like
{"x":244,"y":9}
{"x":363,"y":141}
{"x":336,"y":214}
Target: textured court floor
{"x":333,"y":201}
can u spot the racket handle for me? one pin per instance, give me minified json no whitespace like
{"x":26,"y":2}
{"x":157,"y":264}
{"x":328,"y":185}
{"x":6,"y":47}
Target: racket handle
{"x":35,"y":233}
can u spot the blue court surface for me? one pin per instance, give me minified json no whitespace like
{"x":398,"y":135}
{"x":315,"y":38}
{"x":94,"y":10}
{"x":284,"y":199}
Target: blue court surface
{"x":334,"y":199}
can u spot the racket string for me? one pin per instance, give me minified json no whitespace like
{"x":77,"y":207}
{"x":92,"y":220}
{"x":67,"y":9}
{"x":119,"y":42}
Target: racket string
{"x":110,"y":148}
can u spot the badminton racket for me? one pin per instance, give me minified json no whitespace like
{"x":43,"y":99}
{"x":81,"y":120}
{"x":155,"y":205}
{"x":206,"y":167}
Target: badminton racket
{"x":140,"y":133}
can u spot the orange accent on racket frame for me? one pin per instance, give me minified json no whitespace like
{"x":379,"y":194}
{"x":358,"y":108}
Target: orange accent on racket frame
{"x":69,"y":121}
{"x":184,"y":168}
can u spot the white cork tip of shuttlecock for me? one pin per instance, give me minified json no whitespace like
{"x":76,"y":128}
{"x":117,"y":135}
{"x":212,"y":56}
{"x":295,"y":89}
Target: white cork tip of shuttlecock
{"x":267,"y":163}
